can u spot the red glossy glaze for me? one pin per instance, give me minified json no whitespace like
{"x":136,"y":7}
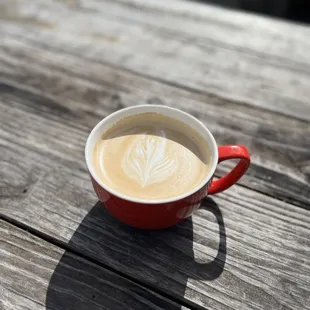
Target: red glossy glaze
{"x":230,"y":152}
{"x":162,"y":215}
{"x":150,"y":216}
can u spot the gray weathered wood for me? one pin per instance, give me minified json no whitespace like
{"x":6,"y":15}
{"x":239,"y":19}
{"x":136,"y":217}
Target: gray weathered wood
{"x":252,"y":59}
{"x":59,"y":87}
{"x":35,"y":274}
{"x":56,"y":84}
{"x":262,"y":261}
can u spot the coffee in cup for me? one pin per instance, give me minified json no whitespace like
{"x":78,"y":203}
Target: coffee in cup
{"x":151,"y":156}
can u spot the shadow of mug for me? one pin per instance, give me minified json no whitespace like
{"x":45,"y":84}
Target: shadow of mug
{"x":163,"y":260}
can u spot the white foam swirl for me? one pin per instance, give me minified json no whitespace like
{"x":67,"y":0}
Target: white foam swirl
{"x":146,"y":160}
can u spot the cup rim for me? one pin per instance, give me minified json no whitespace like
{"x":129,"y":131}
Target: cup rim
{"x":157,"y":108}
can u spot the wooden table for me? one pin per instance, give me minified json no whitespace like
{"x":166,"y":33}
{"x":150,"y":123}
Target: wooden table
{"x":65,"y":65}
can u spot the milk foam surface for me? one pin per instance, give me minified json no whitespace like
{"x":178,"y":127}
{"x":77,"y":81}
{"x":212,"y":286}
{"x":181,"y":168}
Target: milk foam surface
{"x":150,"y":156}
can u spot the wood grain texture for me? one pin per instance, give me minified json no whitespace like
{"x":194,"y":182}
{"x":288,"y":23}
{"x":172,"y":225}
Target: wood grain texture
{"x":62,"y":88}
{"x":247,"y":58}
{"x":35,"y":274}
{"x":241,"y":250}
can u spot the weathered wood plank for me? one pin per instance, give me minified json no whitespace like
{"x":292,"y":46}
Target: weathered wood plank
{"x":241,"y":250}
{"x":247,"y":58}
{"x":55,"y":87}
{"x":80,"y":93}
{"x":35,"y":274}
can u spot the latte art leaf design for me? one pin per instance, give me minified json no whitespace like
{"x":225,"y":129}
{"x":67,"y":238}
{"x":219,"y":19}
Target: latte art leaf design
{"x":146,"y":160}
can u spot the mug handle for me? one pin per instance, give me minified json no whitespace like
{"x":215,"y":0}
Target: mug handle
{"x":229,"y":152}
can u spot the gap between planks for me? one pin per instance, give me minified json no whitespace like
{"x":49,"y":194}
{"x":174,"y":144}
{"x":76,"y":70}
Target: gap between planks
{"x":217,"y":175}
{"x":192,"y":89}
{"x":66,"y":247}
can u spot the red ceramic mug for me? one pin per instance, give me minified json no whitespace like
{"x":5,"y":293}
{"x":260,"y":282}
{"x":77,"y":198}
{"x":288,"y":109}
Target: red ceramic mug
{"x":162,"y":213}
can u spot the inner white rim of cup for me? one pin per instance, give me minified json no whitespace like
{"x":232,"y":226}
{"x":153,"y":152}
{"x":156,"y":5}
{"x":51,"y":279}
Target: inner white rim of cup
{"x":186,"y":118}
